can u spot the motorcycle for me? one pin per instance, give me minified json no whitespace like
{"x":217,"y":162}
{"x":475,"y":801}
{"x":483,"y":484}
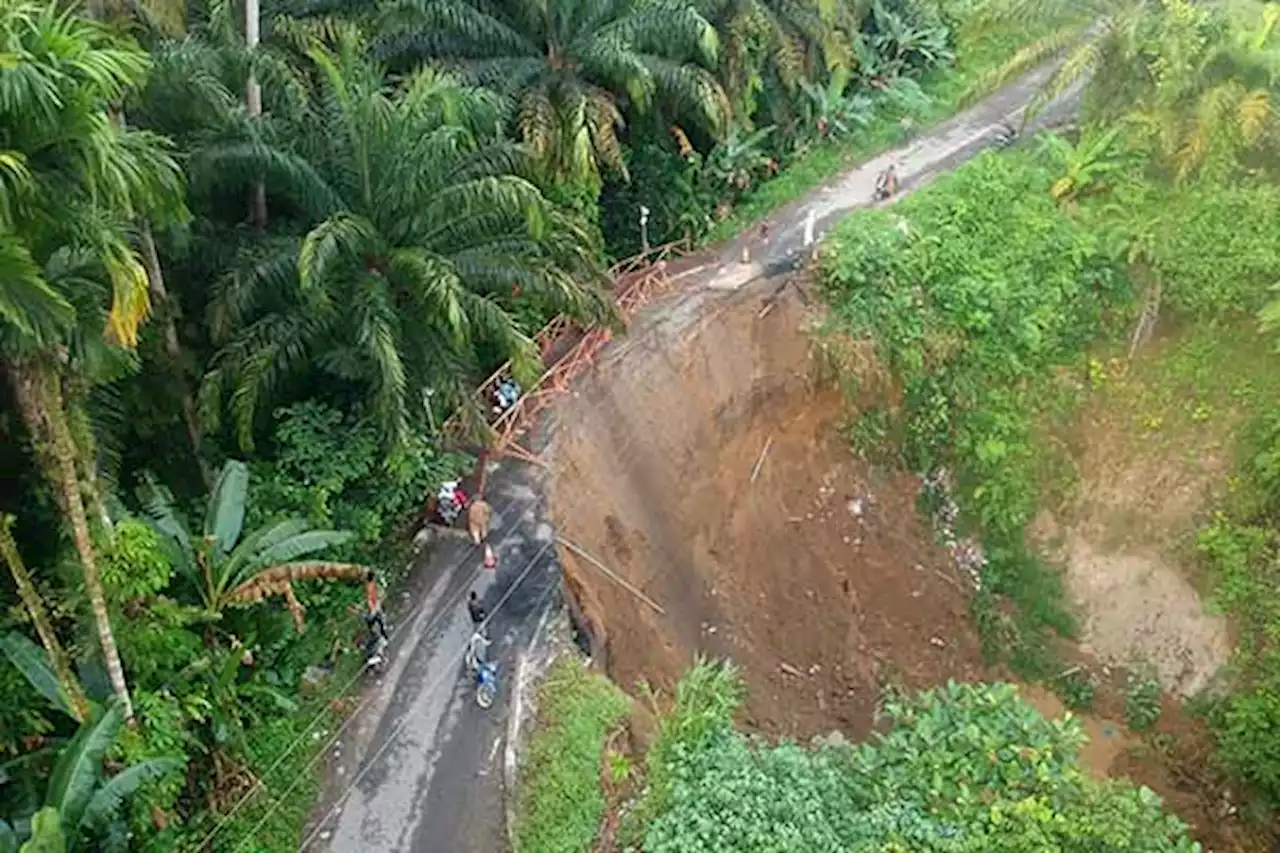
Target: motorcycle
{"x":886,"y":184}
{"x":483,"y":672}
{"x":375,"y":654}
{"x":486,"y":684}
{"x":1006,"y":135}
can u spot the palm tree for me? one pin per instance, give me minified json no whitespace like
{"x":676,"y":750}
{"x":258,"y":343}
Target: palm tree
{"x":1185,"y":79}
{"x":424,"y":233}
{"x":570,"y":69}
{"x":1095,"y":39}
{"x":193,"y":95}
{"x":790,"y":40}
{"x":74,"y":182}
{"x":80,"y":799}
{"x":229,"y":567}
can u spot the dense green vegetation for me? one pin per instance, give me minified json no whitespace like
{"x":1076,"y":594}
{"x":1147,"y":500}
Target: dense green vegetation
{"x":960,"y":768}
{"x":560,"y":799}
{"x":987,"y":286}
{"x":997,"y":298}
{"x":252,"y":256}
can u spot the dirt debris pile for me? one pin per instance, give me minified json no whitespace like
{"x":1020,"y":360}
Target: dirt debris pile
{"x":705,"y":466}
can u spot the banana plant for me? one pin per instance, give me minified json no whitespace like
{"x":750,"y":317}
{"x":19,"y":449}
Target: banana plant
{"x":230,"y":567}
{"x":739,"y":160}
{"x":831,"y":112}
{"x":1086,"y":164}
{"x":80,"y":797}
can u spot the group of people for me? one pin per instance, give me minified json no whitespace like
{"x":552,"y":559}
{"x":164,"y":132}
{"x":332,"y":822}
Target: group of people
{"x":450,"y":502}
{"x":379,"y":634}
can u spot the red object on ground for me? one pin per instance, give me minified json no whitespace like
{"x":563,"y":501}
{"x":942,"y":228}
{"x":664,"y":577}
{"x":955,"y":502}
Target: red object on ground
{"x":490,"y":558}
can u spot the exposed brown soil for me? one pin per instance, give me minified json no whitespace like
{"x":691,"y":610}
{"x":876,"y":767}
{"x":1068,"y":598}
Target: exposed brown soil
{"x":1122,"y":537}
{"x":818,"y":579}
{"x":707,"y":468}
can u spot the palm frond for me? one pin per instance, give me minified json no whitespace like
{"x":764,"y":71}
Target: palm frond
{"x":1034,"y":54}
{"x":537,"y":122}
{"x":1253,"y":115}
{"x":27,"y":301}
{"x":343,"y":235}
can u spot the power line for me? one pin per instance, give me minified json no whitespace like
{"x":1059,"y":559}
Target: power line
{"x":293,"y":745}
{"x":372,"y":760}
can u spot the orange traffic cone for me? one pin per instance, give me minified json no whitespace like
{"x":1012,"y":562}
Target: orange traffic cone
{"x":490,"y":558}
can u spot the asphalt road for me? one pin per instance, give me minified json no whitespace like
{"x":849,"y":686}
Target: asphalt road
{"x":426,"y":776}
{"x":420,"y":771}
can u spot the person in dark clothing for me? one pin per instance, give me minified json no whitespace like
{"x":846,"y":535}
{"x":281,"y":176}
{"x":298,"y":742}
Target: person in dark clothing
{"x":477,"y":611}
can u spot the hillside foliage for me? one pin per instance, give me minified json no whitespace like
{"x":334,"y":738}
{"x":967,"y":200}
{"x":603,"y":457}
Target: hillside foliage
{"x":959,"y":768}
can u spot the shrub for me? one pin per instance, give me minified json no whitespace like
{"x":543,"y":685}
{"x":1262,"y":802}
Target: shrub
{"x":135,"y":564}
{"x":331,"y":468}
{"x":1142,"y":699}
{"x":560,"y":801}
{"x":1248,"y":732}
{"x":1217,"y":248}
{"x":1246,"y":571}
{"x":961,"y":768}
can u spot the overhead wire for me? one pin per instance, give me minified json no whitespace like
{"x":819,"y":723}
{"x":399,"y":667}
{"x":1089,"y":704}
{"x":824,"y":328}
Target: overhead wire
{"x":368,"y":764}
{"x":411,"y":617}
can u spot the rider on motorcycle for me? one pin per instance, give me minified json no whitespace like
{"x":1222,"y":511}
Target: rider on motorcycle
{"x":477,"y":652}
{"x":887,"y":183}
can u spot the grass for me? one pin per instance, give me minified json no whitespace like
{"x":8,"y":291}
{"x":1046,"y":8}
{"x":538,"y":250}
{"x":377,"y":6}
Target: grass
{"x":560,"y":803}
{"x":949,"y":91}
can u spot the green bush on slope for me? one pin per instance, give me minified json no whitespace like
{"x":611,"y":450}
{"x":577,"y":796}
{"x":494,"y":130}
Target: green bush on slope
{"x":962,"y":768}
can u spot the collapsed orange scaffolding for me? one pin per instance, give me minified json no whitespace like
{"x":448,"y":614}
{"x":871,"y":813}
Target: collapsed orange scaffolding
{"x":567,"y":349}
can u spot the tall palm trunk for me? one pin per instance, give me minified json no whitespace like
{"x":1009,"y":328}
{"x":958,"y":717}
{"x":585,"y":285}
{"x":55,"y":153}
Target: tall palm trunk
{"x":39,"y":396}
{"x":71,"y":689}
{"x":76,"y":392}
{"x":173,"y":348}
{"x":253,"y":101}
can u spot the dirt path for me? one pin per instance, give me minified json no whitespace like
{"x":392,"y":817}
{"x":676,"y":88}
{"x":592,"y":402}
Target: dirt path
{"x":418,"y":769}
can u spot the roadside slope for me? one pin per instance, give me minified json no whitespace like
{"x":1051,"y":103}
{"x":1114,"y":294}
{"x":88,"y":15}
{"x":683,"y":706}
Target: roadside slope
{"x":422,"y":778}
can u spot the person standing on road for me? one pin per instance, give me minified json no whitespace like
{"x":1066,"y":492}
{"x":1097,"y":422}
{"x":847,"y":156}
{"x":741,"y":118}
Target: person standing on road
{"x":477,"y":611}
{"x":479,"y":514}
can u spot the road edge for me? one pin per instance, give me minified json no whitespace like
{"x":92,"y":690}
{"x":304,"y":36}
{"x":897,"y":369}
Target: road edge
{"x":520,"y":708}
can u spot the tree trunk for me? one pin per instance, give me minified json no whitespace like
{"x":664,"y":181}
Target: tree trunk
{"x":253,"y":101}
{"x":71,"y":689}
{"x":39,"y":395}
{"x":173,"y":348}
{"x":77,"y":390}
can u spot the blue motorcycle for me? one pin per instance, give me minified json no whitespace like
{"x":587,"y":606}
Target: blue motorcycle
{"x":486,"y":684}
